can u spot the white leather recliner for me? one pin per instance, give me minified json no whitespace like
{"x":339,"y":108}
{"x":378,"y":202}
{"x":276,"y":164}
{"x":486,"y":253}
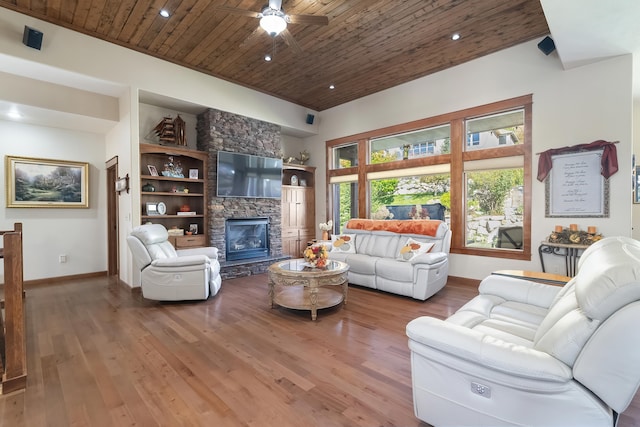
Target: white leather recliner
{"x":525,"y":353}
{"x":170,"y":275}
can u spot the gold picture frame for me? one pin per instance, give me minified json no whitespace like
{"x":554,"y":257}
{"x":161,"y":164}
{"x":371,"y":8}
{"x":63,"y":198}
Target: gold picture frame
{"x":46,"y":183}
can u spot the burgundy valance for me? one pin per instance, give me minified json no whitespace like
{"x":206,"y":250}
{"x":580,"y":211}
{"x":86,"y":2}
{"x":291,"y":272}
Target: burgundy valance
{"x":609,"y":161}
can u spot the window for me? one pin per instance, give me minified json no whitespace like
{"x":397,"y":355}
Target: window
{"x":410,"y":197}
{"x":345,"y":156}
{"x":472,"y":167}
{"x":411,"y":144}
{"x":345,"y":207}
{"x":495,"y":203}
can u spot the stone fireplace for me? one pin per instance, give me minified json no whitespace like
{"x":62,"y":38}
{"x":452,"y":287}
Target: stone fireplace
{"x":223,"y":131}
{"x":246,"y":238}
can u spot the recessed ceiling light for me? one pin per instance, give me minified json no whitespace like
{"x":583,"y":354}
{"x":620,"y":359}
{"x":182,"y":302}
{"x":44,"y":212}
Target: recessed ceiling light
{"x":164,"y":13}
{"x":455,"y":36}
{"x":267,"y":57}
{"x":331,"y":86}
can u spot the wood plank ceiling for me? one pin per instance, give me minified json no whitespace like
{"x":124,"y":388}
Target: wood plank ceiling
{"x":368,"y":45}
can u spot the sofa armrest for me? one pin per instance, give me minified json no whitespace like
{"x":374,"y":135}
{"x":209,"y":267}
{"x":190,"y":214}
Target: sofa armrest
{"x":519,"y":290}
{"x":211,"y":252}
{"x":429,"y":258}
{"x":182,"y":261}
{"x":459,"y":342}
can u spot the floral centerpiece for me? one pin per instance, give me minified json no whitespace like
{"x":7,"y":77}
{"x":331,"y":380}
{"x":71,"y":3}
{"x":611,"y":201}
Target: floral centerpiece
{"x":326,"y":227}
{"x":316,"y":256}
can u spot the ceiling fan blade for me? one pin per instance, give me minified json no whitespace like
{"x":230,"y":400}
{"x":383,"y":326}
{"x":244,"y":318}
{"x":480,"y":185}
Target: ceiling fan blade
{"x":309,"y":19}
{"x":290,"y":41}
{"x":237,"y":11}
{"x":252,"y":38}
{"x":275,"y":4}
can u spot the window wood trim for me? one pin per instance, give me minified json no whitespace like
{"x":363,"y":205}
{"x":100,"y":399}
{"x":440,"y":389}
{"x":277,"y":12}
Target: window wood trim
{"x":456,"y":160}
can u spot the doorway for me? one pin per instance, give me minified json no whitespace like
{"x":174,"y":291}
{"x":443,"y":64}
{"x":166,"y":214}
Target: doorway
{"x":112,"y":218}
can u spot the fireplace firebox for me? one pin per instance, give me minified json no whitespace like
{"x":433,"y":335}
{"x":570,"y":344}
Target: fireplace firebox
{"x":246,"y":238}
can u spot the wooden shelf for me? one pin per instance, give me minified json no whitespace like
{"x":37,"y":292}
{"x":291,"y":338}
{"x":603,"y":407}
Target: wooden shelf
{"x":168,"y":189}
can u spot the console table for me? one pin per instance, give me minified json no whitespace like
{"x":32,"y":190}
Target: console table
{"x":571,"y":253}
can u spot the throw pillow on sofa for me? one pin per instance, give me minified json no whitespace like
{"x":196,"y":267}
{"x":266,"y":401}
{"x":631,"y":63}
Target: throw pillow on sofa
{"x":345,"y":243}
{"x":413,"y":248}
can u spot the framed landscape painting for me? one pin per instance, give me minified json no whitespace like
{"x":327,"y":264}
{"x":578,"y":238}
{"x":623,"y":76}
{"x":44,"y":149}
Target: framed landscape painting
{"x":43,"y":183}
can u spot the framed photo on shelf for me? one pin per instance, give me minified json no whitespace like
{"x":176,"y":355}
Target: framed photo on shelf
{"x":193,"y":173}
{"x":193,"y":228}
{"x":152,"y":209}
{"x":44,"y":183}
{"x":152,"y":170}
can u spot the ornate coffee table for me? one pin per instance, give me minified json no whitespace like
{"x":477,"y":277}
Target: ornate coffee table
{"x":293,"y":284}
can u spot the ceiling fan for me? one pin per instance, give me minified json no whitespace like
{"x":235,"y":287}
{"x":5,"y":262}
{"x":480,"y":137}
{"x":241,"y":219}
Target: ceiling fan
{"x":274,"y":21}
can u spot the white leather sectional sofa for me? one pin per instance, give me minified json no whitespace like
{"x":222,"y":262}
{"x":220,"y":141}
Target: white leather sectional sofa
{"x":526,"y":353}
{"x":412,"y":260}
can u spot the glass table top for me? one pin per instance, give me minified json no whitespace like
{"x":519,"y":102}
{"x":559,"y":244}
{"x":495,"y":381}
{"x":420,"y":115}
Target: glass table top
{"x":302,"y":265}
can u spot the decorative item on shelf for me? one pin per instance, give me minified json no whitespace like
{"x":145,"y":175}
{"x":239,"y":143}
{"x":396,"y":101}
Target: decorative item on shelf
{"x":193,"y":228}
{"x":326,"y":228}
{"x":185,"y":210}
{"x":573,"y":236}
{"x":172,"y":169}
{"x":303,"y":182}
{"x":289,"y":159}
{"x":193,"y":173}
{"x":405,"y":151}
{"x":165,"y":130}
{"x":148,"y":187}
{"x":316,"y":256}
{"x":418,"y":212}
{"x":179,"y":189}
{"x":294,"y":180}
{"x":175,"y":231}
{"x":304,"y":157}
{"x":152,"y":170}
{"x":151,"y":208}
{"x":180,"y":131}
{"x":162,"y":208}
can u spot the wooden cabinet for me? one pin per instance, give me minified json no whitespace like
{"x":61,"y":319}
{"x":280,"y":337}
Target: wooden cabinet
{"x":298,"y":208}
{"x":184,"y":198}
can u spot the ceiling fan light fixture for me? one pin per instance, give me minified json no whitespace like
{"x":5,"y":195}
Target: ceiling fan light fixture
{"x":273,"y":24}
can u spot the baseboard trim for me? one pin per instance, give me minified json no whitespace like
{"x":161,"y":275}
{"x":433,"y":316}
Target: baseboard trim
{"x":58,"y":279}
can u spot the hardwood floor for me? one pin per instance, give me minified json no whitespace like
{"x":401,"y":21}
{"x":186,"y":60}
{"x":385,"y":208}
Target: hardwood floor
{"x":99,"y":355}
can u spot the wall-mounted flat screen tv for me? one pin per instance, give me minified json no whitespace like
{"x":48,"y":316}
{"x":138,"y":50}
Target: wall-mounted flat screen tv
{"x":246,"y":175}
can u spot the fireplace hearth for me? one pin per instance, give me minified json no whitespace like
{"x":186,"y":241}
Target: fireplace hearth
{"x":246,"y":238}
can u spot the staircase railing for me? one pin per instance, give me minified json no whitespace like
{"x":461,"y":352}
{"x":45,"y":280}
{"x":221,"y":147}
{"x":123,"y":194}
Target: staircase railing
{"x":13,"y":346}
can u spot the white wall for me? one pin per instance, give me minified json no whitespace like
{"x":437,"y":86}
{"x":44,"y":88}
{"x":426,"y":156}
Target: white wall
{"x":47,"y":232}
{"x":151,"y":115}
{"x":569,"y":107}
